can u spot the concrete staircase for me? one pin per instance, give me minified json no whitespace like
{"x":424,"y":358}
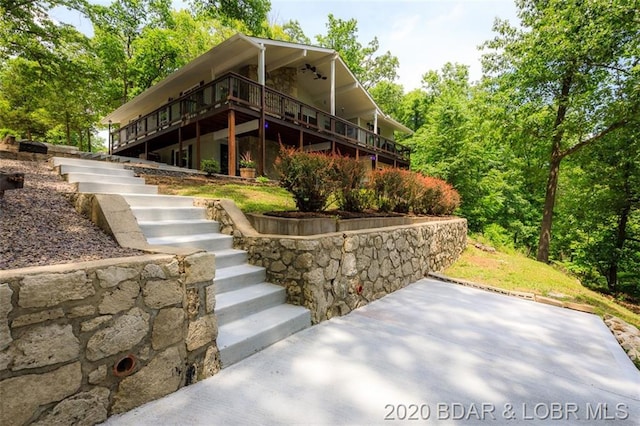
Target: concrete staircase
{"x":252,"y":314}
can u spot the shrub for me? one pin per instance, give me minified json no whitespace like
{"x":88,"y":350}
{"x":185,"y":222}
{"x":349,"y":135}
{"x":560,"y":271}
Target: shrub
{"x":263,"y":179}
{"x":310,"y":177}
{"x":351,"y":195}
{"x":434,"y":196}
{"x":394,"y":189}
{"x":210,"y":166}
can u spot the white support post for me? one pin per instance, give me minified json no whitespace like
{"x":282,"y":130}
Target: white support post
{"x":333,"y":86}
{"x":375,"y":122}
{"x":261,"y":65}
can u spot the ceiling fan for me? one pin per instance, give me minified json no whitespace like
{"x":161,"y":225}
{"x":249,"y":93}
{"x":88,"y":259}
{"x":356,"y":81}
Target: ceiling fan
{"x":316,"y":74}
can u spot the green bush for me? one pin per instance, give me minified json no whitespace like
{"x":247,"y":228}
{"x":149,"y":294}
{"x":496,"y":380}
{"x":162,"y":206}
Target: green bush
{"x":393,"y":189}
{"x":263,"y":179}
{"x":310,"y":177}
{"x":351,"y":195}
{"x":210,"y":166}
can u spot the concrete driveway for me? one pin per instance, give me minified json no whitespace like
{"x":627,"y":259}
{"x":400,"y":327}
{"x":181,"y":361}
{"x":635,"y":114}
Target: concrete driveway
{"x":432,"y":353}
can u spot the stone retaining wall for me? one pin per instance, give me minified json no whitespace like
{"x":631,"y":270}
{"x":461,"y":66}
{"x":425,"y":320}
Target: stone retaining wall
{"x":332,"y":274}
{"x":627,"y":335}
{"x":80,"y":342}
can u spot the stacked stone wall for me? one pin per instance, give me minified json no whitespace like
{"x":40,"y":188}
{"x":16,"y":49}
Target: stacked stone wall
{"x":333,"y":274}
{"x":83,"y":341}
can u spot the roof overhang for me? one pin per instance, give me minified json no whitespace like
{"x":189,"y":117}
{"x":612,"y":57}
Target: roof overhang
{"x":351,"y":99}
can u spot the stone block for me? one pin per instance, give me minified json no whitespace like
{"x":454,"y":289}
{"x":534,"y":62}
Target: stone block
{"x":199,"y":268}
{"x":162,"y":376}
{"x":201,"y":332}
{"x":173,"y":268}
{"x":193,"y":303}
{"x":114,"y":275}
{"x":211,"y":363}
{"x":304,"y":261}
{"x":126,"y":332}
{"x":5,"y":308}
{"x":37,"y":317}
{"x":278,"y":266}
{"x":122,"y":298}
{"x":94,"y":323}
{"x":158,"y":294}
{"x":349,"y":265}
{"x":20,"y":397}
{"x":81,"y":311}
{"x":168,"y":328}
{"x":153,"y":271}
{"x":44,"y":345}
{"x":351,"y":244}
{"x":98,"y":375}
{"x":210,"y":298}
{"x":45,"y":290}
{"x":83,"y":409}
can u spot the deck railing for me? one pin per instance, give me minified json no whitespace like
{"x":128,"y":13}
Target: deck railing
{"x":233,"y":88}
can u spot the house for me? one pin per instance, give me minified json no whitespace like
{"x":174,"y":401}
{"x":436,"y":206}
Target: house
{"x":247,"y":94}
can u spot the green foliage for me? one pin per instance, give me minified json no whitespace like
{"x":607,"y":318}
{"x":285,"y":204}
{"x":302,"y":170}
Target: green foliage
{"x":392,"y":189}
{"x":350,"y":194}
{"x":310,"y":177}
{"x":246,"y":161}
{"x":572,"y":66}
{"x":369,"y":69}
{"x":210,"y":166}
{"x":252,"y":13}
{"x":263,"y":179}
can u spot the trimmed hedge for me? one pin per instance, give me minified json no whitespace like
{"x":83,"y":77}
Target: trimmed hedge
{"x":313,"y":178}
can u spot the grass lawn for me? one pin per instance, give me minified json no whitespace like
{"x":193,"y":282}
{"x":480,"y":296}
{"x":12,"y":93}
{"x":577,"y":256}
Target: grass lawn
{"x":249,"y":198}
{"x":514,"y":271}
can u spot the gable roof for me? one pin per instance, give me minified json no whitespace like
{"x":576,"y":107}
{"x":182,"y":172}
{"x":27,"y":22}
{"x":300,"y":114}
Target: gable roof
{"x":352,"y":100}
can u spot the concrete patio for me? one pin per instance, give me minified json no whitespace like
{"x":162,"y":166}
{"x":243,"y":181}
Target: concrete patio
{"x":430,"y":353}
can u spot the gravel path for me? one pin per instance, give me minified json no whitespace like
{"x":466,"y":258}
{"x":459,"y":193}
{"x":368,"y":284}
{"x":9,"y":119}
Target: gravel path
{"x":39,"y":226}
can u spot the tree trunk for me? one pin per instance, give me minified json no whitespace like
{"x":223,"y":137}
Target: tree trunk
{"x":67,"y":127}
{"x":554,"y":169}
{"x":547,"y":216}
{"x":621,"y":237}
{"x":88,"y":140}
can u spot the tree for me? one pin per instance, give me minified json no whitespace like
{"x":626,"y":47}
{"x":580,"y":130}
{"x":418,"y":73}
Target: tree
{"x":602,"y":241}
{"x":117,"y":28}
{"x":574,"y":64}
{"x":369,"y":69}
{"x":388,"y":96}
{"x":252,"y":13}
{"x":26,"y":29}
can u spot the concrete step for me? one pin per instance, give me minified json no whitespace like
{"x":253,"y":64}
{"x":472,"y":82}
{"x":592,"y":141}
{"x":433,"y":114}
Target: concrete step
{"x":235,"y":277}
{"x":100,"y":178}
{"x":68,"y":168}
{"x":149,"y":200}
{"x":169,"y":213}
{"x":230,"y":257}
{"x":168,"y":228}
{"x":209,"y":242}
{"x":234,"y":305}
{"x":244,"y":337}
{"x":115,"y":188}
{"x":71,"y":161}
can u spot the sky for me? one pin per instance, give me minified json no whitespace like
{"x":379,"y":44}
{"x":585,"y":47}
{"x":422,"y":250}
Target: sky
{"x":423,"y":34}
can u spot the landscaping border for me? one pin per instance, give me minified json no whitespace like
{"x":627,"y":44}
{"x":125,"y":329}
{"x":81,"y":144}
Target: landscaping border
{"x":334,"y":273}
